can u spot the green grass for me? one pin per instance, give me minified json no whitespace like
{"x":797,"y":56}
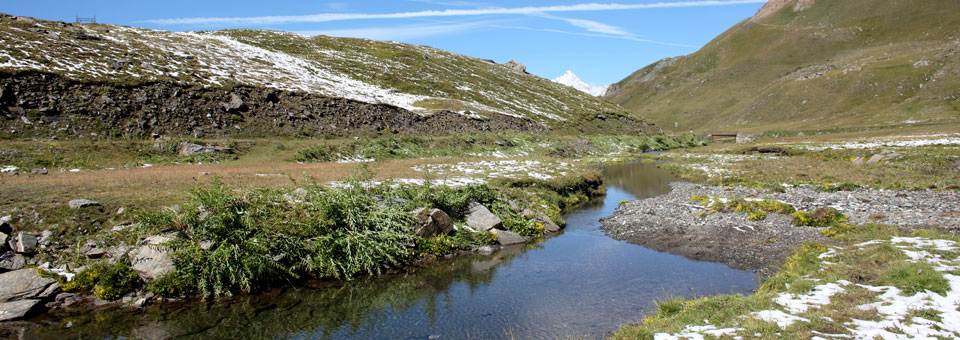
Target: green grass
{"x":746,"y":79}
{"x":515,"y":145}
{"x":914,"y":278}
{"x":876,"y":265}
{"x":828,"y":170}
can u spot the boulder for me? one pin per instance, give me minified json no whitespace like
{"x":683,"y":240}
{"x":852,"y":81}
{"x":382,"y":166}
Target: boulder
{"x":442,"y":221}
{"x":508,"y":237}
{"x":82,"y":203}
{"x":746,"y":138}
{"x":12,"y":261}
{"x":24,"y":284}
{"x":23,"y":242}
{"x":235,"y":104}
{"x":16,"y":309}
{"x":3,"y":241}
{"x":876,"y":159}
{"x":40,"y":171}
{"x":516,"y":66}
{"x":548,"y":225}
{"x":432,"y":222}
{"x":95,"y":253}
{"x":151,"y":259}
{"x":5,"y":224}
{"x":191,"y":149}
{"x":45,"y":237}
{"x":480,"y":218}
{"x":485,"y":250}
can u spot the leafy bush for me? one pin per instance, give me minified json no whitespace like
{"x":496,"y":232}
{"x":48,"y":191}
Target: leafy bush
{"x":822,"y":217}
{"x":260,"y":237}
{"x":106,"y":281}
{"x":461,"y":240}
{"x":522,"y":225}
{"x":758,"y":215}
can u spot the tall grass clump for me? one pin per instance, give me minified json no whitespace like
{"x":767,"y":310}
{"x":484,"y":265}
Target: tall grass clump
{"x":231,"y":241}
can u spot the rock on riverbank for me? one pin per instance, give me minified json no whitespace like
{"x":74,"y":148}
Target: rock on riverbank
{"x":671,"y":223}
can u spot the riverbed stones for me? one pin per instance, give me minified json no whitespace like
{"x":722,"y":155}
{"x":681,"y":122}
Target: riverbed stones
{"x":16,"y":309}
{"x":151,"y":259}
{"x":24,"y":284}
{"x":508,"y":237}
{"x":23,"y":243}
{"x":82,"y":203}
{"x":10,"y":261}
{"x":480,"y":218}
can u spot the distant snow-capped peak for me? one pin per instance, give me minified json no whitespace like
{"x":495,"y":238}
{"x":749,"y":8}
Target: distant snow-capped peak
{"x":571,"y":79}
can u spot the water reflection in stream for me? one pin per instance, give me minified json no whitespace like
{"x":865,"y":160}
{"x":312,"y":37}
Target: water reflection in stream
{"x":579,"y":283}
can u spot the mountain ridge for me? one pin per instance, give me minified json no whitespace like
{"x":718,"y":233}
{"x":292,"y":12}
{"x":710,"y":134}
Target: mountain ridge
{"x":804,"y":64}
{"x":419,"y":79}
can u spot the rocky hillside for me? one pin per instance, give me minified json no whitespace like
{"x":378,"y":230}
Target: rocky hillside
{"x":811,"y":64}
{"x":105,"y":77}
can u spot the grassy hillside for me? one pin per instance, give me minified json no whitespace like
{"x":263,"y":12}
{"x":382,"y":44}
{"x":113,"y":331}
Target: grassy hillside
{"x":811,"y":65}
{"x":417,"y":78}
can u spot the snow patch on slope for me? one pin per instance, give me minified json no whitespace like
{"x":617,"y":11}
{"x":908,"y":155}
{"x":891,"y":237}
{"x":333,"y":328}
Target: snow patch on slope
{"x":571,"y":79}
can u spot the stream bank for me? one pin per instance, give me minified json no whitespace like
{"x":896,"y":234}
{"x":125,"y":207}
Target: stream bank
{"x":677,"y":224}
{"x":578,"y":283}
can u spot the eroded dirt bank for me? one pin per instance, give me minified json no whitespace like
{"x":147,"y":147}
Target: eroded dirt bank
{"x":39,"y":104}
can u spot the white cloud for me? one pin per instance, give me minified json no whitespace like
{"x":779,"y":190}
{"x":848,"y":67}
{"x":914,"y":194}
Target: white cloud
{"x":589,"y":25}
{"x":530,"y":10}
{"x":631,"y":38}
{"x":452,"y":3}
{"x":399,"y":32}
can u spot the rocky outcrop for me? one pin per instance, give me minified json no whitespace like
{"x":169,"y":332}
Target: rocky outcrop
{"x":191,"y":149}
{"x":152,"y":259}
{"x":25,"y":284}
{"x":516,"y":66}
{"x":82,"y":203}
{"x":746,"y":138}
{"x":58,"y":106}
{"x":480,"y":218}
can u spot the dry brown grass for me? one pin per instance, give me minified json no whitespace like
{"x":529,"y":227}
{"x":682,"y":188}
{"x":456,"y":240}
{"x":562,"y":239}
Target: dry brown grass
{"x":167,"y":185}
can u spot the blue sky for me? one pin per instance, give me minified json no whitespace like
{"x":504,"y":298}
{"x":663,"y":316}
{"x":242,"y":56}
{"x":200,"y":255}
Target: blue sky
{"x":601,"y":42}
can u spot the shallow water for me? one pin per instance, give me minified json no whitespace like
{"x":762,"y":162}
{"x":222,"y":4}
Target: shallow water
{"x":577,"y":284}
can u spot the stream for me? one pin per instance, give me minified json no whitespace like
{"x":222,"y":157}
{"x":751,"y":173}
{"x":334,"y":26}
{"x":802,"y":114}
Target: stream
{"x":579,"y":283}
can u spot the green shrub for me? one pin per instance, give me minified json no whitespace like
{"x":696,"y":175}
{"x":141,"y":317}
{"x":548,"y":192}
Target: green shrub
{"x":758,"y":215}
{"x":822,"y":217}
{"x":522,"y":225}
{"x":171,"y":285}
{"x":260,"y":237}
{"x":106,"y":281}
